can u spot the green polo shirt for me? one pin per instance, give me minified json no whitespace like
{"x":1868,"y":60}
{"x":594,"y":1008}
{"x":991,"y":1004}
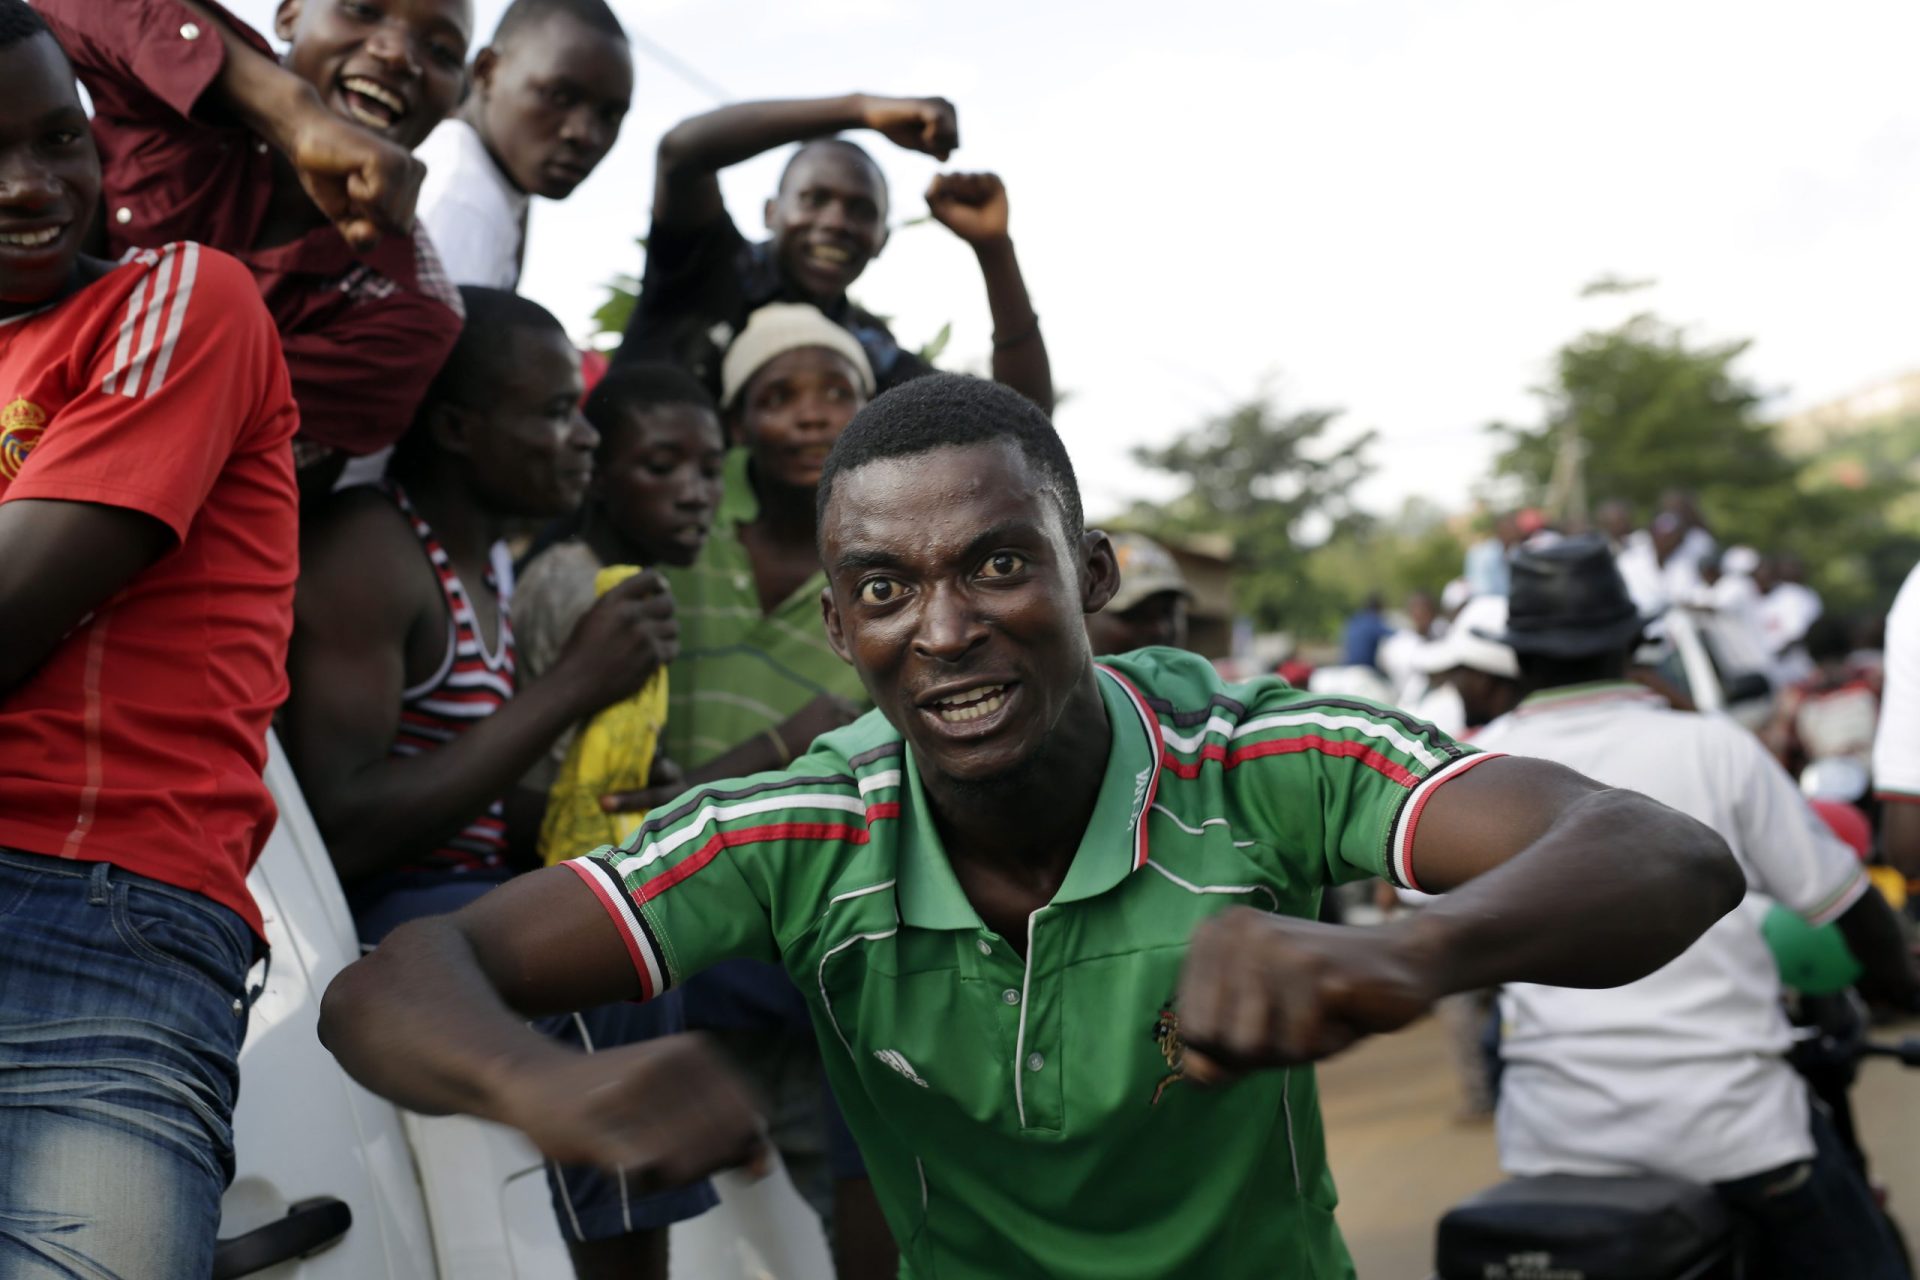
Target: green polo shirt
{"x":1017,"y":1116}
{"x":741,"y":672}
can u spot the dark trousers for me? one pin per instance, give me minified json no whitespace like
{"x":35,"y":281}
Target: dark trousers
{"x":1814,"y":1218}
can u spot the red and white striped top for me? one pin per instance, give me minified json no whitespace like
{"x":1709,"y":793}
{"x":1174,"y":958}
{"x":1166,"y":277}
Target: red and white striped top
{"x":470,"y":685}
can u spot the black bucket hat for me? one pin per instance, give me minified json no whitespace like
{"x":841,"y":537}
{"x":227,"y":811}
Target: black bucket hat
{"x":1568,"y":600}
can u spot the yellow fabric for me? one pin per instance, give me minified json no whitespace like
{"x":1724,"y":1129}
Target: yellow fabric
{"x":613,"y":753}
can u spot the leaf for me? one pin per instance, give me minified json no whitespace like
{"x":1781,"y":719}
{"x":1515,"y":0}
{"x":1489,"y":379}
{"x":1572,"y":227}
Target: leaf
{"x":938,"y":343}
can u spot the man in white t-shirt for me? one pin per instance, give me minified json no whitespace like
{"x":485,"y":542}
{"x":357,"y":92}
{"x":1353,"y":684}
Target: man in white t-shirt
{"x":549,"y":94}
{"x":1683,"y":1073}
{"x":1896,"y":744}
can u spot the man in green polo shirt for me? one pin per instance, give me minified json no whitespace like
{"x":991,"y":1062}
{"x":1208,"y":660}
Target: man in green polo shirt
{"x":1044,"y":913}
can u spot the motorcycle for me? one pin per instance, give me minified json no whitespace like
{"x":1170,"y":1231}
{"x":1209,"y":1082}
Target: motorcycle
{"x":1643,"y":1227}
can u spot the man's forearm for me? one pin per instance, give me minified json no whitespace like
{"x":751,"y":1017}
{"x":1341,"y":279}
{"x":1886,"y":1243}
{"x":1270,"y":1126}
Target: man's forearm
{"x":263,"y":95}
{"x":399,"y":806}
{"x":732,"y":134}
{"x":1019,"y":351}
{"x":418,"y":1022}
{"x":1873,"y":936}
{"x":1616,"y":888}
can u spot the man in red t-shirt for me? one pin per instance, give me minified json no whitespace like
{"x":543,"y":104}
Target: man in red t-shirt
{"x":147,"y":560}
{"x":205,"y":135}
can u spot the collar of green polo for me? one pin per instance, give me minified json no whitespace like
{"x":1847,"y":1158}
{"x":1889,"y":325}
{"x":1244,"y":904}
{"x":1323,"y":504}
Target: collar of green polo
{"x":1114,"y":845}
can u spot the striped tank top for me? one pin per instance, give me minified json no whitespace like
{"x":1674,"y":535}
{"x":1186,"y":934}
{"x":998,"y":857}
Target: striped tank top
{"x":470,"y":685}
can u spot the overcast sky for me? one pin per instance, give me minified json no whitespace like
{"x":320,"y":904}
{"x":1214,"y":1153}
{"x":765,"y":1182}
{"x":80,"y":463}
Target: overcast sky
{"x":1382,"y":205}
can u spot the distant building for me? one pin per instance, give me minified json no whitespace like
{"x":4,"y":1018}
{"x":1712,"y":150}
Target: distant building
{"x":1881,"y":404}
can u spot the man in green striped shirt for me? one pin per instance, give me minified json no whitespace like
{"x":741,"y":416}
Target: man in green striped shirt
{"x":1044,"y":912}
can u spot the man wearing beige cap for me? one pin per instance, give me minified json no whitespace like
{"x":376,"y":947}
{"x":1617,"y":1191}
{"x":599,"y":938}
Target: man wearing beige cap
{"x":1151,"y":605}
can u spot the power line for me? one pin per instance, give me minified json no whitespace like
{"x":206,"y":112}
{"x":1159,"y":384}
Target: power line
{"x":680,"y":67}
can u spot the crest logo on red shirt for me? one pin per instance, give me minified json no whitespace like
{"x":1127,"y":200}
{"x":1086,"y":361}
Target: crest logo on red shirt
{"x":21,"y":425}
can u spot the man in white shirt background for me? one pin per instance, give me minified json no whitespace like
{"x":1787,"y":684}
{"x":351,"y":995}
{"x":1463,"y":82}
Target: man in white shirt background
{"x":1896,"y":744}
{"x":1683,"y":1073}
{"x":547,"y":100}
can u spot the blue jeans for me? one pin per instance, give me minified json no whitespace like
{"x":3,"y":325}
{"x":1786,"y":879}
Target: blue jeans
{"x":1814,"y":1218}
{"x":122,"y":1008}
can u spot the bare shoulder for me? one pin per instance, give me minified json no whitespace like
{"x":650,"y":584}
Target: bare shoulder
{"x":360,"y":560}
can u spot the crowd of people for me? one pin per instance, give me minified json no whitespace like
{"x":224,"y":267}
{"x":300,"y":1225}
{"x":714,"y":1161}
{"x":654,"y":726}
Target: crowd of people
{"x":800,"y":660}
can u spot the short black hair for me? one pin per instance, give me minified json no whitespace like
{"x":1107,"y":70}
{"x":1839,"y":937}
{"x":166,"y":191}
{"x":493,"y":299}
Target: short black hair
{"x":948,"y":411}
{"x":19,"y":21}
{"x":845,"y":144}
{"x":628,"y":389}
{"x":588,"y":13}
{"x":485,"y":349}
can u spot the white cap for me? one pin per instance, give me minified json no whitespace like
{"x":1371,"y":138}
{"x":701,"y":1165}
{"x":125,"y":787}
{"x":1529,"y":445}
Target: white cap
{"x":780,"y":327}
{"x":1462,"y":647}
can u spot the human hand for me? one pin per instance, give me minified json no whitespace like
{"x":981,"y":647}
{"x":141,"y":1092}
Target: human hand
{"x":665,"y":1113}
{"x":630,"y":633}
{"x":664,"y":781}
{"x":971,"y":205}
{"x":918,"y":124}
{"x":365,"y":185}
{"x":1260,"y":990}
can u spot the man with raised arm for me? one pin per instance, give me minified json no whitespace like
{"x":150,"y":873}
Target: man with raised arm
{"x":1037,"y":906}
{"x":826,"y":222}
{"x":300,"y":167}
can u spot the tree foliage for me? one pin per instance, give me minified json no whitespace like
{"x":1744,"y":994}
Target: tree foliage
{"x":1656,"y":410}
{"x":1277,"y":487}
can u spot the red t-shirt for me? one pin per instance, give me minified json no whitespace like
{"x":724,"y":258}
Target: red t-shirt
{"x":364,"y":334}
{"x":161,"y":389}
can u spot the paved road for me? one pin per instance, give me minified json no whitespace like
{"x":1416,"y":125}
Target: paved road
{"x":1400,"y":1159}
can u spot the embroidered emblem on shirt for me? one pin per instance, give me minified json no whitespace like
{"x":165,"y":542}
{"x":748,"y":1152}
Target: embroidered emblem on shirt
{"x":898,"y":1061}
{"x":21,"y":425}
{"x":1166,"y":1035}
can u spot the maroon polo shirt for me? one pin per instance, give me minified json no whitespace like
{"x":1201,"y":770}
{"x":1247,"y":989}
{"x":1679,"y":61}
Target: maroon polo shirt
{"x":364,"y":334}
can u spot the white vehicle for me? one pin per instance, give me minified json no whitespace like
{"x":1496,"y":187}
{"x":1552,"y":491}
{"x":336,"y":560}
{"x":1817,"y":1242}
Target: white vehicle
{"x":333,"y":1183}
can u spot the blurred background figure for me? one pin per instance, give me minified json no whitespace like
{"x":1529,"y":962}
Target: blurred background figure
{"x":1400,"y":654}
{"x":1365,"y":630}
{"x":1788,"y":609}
{"x":1486,"y":563}
{"x":1151,"y":606}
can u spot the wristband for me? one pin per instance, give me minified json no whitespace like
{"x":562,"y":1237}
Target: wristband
{"x":1031,"y":328}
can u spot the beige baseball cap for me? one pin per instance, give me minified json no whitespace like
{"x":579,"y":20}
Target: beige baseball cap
{"x":1146,"y":569}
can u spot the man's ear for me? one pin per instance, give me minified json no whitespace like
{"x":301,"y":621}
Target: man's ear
{"x":836,"y":637}
{"x":450,"y":428}
{"x":767,"y":213}
{"x":480,"y":74}
{"x":285,"y":19}
{"x":1100,"y":571}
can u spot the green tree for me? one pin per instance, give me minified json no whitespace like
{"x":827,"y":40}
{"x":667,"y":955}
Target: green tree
{"x":1277,"y":487}
{"x":1654,"y":409}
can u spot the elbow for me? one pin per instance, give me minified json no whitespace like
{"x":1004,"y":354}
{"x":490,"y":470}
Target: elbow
{"x":1709,"y":868}
{"x":677,"y":149}
{"x":340,"y":1005}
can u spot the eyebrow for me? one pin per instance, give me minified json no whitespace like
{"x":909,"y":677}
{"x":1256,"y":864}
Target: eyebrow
{"x":873,"y":557}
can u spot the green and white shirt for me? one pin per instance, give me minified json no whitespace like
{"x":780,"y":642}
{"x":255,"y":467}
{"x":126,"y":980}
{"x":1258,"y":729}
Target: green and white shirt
{"x":742,"y":672}
{"x":1024,"y":1117}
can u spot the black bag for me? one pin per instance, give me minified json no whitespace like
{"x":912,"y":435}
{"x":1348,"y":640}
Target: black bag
{"x":1562,"y":1227}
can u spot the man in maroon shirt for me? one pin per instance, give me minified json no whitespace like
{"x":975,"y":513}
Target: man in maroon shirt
{"x":205,"y":135}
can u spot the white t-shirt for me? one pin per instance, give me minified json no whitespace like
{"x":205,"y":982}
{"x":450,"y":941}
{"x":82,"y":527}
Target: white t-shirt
{"x":477,"y":219}
{"x":1681,"y":1072}
{"x":475,"y":215}
{"x":1896,"y":746}
{"x":1786,"y":612}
